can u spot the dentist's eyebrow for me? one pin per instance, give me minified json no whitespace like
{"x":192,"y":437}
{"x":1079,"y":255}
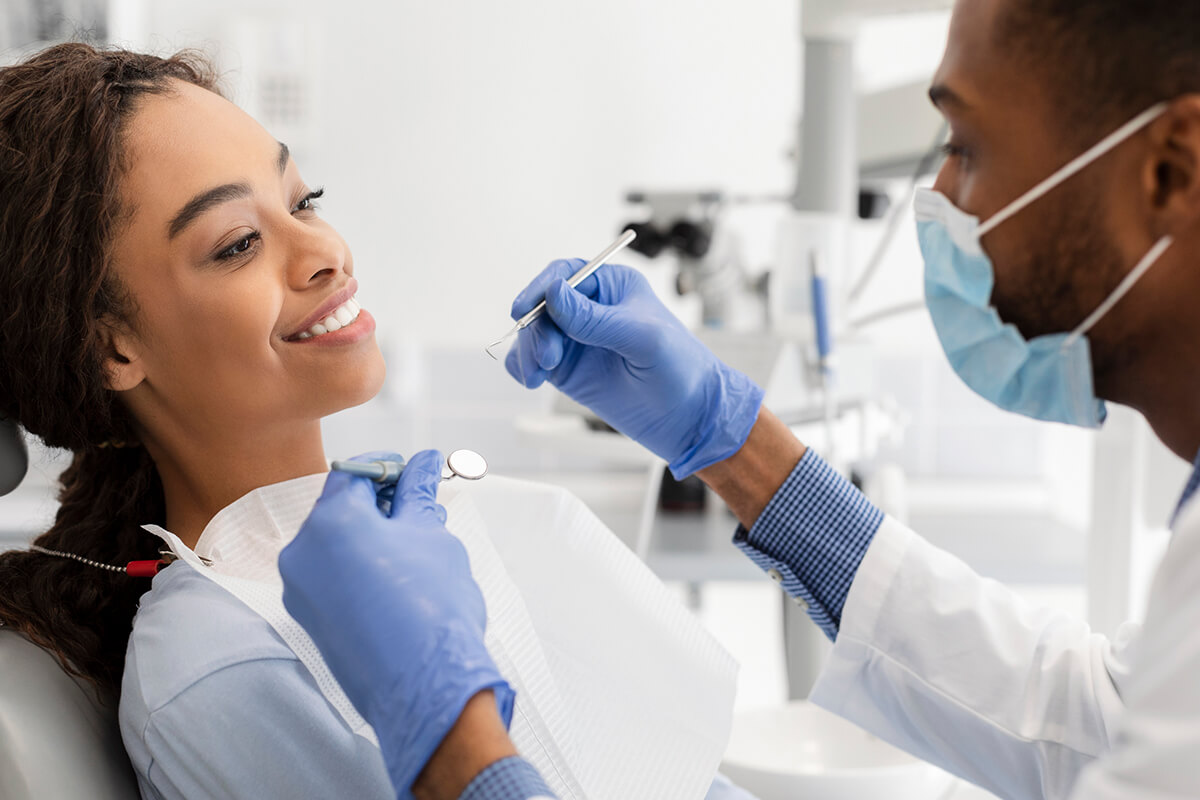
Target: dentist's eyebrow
{"x":210,"y":198}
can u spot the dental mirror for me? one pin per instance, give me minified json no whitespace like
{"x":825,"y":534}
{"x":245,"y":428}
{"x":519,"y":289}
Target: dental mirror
{"x":465,"y":464}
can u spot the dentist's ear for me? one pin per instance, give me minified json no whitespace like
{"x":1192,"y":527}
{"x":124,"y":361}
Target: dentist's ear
{"x":1172,"y":174}
{"x":123,"y":368}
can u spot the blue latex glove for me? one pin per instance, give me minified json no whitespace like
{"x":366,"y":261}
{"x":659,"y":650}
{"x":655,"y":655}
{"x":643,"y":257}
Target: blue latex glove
{"x":389,"y":599}
{"x":611,"y":345}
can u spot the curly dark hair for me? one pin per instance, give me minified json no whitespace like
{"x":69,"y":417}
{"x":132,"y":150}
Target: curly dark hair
{"x":63,"y":114}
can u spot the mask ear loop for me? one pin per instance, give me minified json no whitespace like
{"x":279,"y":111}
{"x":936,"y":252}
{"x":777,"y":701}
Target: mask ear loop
{"x":1122,"y":289}
{"x":1074,"y":166}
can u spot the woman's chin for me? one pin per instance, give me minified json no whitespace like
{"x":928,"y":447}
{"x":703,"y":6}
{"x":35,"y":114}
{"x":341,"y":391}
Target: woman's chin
{"x":357,"y":385}
{"x":371,"y":379}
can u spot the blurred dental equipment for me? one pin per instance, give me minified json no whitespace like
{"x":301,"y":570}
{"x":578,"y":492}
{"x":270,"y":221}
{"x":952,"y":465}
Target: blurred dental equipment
{"x":579,"y":277}
{"x":779,"y":316}
{"x":689,"y":226}
{"x":465,"y":464}
{"x":825,"y":361}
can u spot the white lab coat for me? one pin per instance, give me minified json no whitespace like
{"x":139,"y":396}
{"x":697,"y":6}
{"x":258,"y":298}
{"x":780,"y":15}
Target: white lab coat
{"x":1025,"y":702}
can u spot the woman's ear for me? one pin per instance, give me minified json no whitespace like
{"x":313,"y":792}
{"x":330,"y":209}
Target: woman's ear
{"x":123,"y":368}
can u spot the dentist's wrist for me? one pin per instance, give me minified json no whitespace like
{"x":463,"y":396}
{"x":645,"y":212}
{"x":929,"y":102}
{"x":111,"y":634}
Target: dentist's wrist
{"x":731,"y":404}
{"x":749,"y":478}
{"x":478,"y":740}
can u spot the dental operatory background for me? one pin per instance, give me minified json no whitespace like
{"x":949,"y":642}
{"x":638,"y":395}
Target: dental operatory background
{"x":767,"y":151}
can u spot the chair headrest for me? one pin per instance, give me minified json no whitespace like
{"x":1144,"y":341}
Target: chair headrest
{"x":14,"y":458}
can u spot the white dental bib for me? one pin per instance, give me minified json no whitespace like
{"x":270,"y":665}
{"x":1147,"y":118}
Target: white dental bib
{"x":620,"y":692}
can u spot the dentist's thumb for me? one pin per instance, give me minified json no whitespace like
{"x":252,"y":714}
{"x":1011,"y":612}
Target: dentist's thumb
{"x":587,"y":321}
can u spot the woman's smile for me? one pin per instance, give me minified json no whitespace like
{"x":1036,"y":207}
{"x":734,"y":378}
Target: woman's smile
{"x":332,"y":332}
{"x":341,"y":317}
{"x":338,"y":312}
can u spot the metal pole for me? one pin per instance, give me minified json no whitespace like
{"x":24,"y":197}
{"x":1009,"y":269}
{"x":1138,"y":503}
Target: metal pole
{"x":827,"y":178}
{"x":826,"y":184}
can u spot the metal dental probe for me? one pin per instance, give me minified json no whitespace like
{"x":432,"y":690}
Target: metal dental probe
{"x":579,"y":277}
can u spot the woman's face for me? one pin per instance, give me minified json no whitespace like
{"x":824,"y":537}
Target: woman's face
{"x":234,"y":278}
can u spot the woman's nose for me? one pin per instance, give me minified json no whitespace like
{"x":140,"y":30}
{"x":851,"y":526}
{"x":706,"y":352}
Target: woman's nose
{"x":316,"y":255}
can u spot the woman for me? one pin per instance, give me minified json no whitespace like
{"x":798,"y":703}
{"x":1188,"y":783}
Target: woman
{"x":169,"y":289}
{"x":180,"y":319}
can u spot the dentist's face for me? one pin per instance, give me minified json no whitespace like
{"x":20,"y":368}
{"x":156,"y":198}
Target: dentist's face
{"x":234,"y":278}
{"x":1057,"y":260}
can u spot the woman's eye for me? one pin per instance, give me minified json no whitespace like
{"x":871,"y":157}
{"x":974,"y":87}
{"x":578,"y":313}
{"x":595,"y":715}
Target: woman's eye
{"x":241,"y":247}
{"x":309,"y":201}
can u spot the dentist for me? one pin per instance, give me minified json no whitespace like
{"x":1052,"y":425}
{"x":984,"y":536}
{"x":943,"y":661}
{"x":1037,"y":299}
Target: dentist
{"x":1061,"y":242}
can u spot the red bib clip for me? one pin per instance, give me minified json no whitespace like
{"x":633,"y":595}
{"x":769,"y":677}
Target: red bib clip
{"x":144,"y":569}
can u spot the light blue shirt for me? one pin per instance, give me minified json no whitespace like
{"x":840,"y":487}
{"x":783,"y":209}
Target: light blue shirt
{"x":215,"y":705}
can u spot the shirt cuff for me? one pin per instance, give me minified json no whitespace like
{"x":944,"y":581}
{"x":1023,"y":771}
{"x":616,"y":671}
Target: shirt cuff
{"x":511,"y":778}
{"x":811,"y":538}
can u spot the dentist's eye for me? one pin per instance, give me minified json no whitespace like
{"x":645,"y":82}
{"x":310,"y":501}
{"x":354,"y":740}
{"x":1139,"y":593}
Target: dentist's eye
{"x":309,"y":201}
{"x":952,"y":150}
{"x":239,"y":248}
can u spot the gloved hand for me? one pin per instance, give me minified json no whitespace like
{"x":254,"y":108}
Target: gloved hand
{"x":611,"y":345}
{"x":391,"y":604}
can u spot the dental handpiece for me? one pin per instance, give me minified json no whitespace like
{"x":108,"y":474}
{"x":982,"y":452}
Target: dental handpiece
{"x":579,"y":277}
{"x":385,"y":472}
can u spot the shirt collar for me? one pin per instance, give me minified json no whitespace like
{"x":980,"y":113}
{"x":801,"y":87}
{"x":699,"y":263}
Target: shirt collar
{"x":244,"y":539}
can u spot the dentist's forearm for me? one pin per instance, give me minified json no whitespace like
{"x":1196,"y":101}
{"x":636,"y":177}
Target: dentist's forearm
{"x":478,"y":740}
{"x":748,"y":479}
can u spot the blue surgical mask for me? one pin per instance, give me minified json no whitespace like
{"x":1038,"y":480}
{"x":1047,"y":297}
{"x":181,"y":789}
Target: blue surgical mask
{"x":1047,"y":377}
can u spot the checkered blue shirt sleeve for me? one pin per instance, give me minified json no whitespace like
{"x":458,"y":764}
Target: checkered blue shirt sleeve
{"x":811,"y":538}
{"x":508,"y":779}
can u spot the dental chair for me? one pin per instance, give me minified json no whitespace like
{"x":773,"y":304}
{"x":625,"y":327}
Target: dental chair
{"x":56,"y":741}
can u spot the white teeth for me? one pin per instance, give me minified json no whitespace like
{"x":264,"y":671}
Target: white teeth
{"x":339,"y":318}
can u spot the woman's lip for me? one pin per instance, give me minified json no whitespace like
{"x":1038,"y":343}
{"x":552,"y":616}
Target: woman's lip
{"x":362,"y":327}
{"x":336,"y":299}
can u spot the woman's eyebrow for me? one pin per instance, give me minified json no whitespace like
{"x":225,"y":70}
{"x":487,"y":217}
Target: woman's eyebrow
{"x":214,"y":197}
{"x":202,"y":203}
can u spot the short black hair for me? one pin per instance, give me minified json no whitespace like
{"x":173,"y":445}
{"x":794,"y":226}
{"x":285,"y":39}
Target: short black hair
{"x":1104,"y":61}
